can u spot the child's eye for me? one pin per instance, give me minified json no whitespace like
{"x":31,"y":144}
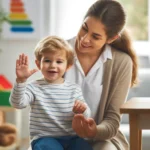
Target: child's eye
{"x":46,"y":60}
{"x":59,"y":62}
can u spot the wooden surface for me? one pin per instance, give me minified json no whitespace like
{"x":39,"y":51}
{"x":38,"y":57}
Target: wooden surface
{"x":139,"y":116}
{"x":136,"y":105}
{"x":3,"y":110}
{"x":135,"y":133}
{"x":7,"y":109}
{"x":1,"y":117}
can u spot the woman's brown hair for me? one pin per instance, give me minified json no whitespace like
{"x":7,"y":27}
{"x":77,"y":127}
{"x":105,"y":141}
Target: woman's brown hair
{"x":113,"y":17}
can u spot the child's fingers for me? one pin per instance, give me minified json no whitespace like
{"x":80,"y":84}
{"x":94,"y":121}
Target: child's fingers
{"x":26,"y":60}
{"x":20,"y":59}
{"x":76,"y":102}
{"x":74,"y":108}
{"x":17,"y":63}
{"x":80,"y":104}
{"x":82,"y":108}
{"x":23,"y":59}
{"x":76,"y":105}
{"x":79,"y":107}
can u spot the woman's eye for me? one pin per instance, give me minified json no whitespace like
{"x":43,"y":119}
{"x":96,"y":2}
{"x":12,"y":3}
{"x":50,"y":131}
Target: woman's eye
{"x":95,"y":37}
{"x":84,"y":28}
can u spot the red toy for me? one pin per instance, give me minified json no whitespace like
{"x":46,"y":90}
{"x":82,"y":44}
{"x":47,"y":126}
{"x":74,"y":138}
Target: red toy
{"x":4,"y":83}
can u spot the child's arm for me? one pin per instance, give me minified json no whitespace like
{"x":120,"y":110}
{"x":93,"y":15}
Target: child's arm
{"x":21,"y":95}
{"x":80,"y":106}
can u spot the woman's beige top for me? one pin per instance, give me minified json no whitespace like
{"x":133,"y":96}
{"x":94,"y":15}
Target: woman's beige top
{"x":116,"y":83}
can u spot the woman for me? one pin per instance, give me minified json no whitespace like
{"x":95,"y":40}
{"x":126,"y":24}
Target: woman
{"x":105,"y":67}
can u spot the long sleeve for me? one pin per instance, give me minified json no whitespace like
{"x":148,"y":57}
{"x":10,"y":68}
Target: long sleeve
{"x":114,"y":95}
{"x":87,"y":112}
{"x":21,"y":95}
{"x":79,"y":96}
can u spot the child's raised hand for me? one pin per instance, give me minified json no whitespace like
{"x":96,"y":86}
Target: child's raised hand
{"x":79,"y":107}
{"x":22,"y":68}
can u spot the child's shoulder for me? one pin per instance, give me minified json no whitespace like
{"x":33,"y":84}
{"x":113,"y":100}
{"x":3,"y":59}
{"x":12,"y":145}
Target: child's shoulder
{"x":36,"y":82}
{"x":71,"y":84}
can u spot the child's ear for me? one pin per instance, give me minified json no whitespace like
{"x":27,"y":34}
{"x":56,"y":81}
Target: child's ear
{"x":37,"y":62}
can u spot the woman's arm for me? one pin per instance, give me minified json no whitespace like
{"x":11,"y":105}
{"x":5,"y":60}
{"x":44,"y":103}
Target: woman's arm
{"x":118,"y":90}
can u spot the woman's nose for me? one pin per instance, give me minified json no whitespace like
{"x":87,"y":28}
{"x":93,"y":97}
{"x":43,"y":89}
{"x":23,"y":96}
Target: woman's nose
{"x":86,"y":38}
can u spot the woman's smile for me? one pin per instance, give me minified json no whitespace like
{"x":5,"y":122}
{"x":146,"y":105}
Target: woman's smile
{"x":83,"y":45}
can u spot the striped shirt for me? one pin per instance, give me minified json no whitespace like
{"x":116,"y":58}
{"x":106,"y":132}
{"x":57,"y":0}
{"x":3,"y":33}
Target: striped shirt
{"x":51,"y":106}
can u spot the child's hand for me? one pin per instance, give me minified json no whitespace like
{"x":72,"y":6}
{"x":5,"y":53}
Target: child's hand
{"x":22,"y":68}
{"x":79,"y":107}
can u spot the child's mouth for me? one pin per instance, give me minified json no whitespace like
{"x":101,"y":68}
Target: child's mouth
{"x":52,"y":71}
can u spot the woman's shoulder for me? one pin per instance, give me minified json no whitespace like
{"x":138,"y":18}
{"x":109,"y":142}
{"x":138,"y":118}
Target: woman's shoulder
{"x":120,"y":56}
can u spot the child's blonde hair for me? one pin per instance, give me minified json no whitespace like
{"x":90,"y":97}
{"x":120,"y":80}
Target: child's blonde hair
{"x":54,"y":44}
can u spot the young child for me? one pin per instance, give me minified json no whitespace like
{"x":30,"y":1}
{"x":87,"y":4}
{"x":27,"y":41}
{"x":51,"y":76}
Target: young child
{"x":52,"y":99}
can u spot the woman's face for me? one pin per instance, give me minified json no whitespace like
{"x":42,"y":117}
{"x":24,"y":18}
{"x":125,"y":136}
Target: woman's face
{"x":91,"y":37}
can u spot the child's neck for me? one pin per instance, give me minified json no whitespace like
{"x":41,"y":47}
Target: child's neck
{"x":58,"y":81}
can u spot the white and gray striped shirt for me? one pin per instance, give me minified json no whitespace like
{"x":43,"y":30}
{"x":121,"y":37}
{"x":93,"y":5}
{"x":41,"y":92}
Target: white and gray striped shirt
{"x":51,"y":106}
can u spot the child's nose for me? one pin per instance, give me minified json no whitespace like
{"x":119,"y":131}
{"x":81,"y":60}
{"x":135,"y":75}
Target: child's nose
{"x":53,"y":64}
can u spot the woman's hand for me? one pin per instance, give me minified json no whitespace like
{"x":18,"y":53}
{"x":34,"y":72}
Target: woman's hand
{"x":85,"y":128}
{"x":22,"y":68}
